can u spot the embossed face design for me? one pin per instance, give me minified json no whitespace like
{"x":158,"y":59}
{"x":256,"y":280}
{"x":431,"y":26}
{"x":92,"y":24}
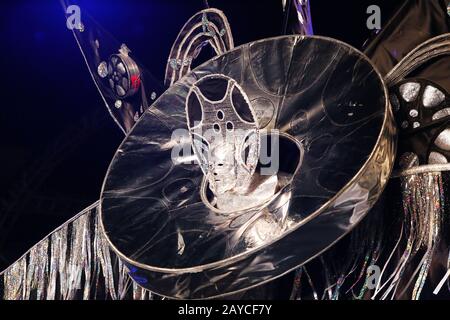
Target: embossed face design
{"x":224,"y":133}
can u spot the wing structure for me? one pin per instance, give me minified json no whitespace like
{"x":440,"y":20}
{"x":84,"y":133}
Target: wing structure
{"x":125,"y":85}
{"x":207,"y":27}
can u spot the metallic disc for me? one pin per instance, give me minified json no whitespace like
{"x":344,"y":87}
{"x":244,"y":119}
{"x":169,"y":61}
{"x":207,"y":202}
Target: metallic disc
{"x":336,"y":151}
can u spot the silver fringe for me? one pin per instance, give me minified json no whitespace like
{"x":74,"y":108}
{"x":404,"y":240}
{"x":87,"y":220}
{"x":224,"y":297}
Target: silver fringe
{"x":73,"y":262}
{"x":423,"y":203}
{"x":405,"y":264}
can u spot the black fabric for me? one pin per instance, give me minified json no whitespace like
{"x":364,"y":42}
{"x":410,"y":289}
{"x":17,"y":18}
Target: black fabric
{"x":414,"y":22}
{"x":436,"y":70}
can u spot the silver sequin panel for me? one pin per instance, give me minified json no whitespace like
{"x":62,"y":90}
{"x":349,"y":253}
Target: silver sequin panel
{"x":410,"y":91}
{"x":436,"y":158}
{"x":432,"y":97}
{"x":443,"y":140}
{"x":441,"y":114}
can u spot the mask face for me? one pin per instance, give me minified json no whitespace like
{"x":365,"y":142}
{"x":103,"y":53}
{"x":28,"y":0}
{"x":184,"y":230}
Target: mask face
{"x":224,"y":133}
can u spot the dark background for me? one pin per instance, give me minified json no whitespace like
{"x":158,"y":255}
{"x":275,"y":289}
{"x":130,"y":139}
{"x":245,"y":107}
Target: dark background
{"x":57,"y":138}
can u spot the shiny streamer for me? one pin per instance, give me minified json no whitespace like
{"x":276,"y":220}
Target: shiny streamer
{"x":73,"y":262}
{"x":423,"y":204}
{"x":345,"y":266}
{"x":405,"y":264}
{"x":304,"y":17}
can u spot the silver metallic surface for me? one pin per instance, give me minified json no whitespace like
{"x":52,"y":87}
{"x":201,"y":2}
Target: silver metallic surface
{"x":443,"y":140}
{"x":209,"y":26}
{"x":441,"y":114}
{"x":73,"y":262}
{"x":410,"y":91}
{"x":221,"y":136}
{"x":123,"y":74}
{"x":328,"y":102}
{"x":413,"y":113}
{"x":436,"y":158}
{"x":432,"y":97}
{"x":102,"y":69}
{"x":427,"y":168}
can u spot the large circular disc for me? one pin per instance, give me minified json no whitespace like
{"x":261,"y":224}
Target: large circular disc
{"x":319,"y":94}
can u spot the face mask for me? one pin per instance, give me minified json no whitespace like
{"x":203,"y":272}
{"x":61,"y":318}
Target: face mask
{"x":224,"y":132}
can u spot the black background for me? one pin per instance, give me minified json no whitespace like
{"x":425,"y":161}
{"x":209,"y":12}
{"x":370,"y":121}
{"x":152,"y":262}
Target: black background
{"x":57,"y":138}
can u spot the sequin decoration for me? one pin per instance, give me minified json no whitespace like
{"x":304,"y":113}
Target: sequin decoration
{"x":443,"y":140}
{"x":441,"y":114}
{"x":37,"y":269}
{"x":423,"y":204}
{"x":432,"y":97}
{"x":58,"y":253}
{"x":436,"y":158}
{"x":410,"y":91}
{"x":14,"y":280}
{"x":102,"y":69}
{"x":413,"y":113}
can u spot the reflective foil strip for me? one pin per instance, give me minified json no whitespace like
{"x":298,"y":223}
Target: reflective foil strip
{"x":73,"y":262}
{"x":58,"y":263}
{"x":423,"y":214}
{"x":304,"y":26}
{"x":433,"y":199}
{"x":80,"y":257}
{"x":14,"y":281}
{"x":37,"y":270}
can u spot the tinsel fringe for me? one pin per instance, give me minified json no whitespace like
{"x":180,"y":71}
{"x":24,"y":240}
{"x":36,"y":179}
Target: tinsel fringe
{"x":423,"y":203}
{"x":404,"y":263}
{"x":73,"y":262}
